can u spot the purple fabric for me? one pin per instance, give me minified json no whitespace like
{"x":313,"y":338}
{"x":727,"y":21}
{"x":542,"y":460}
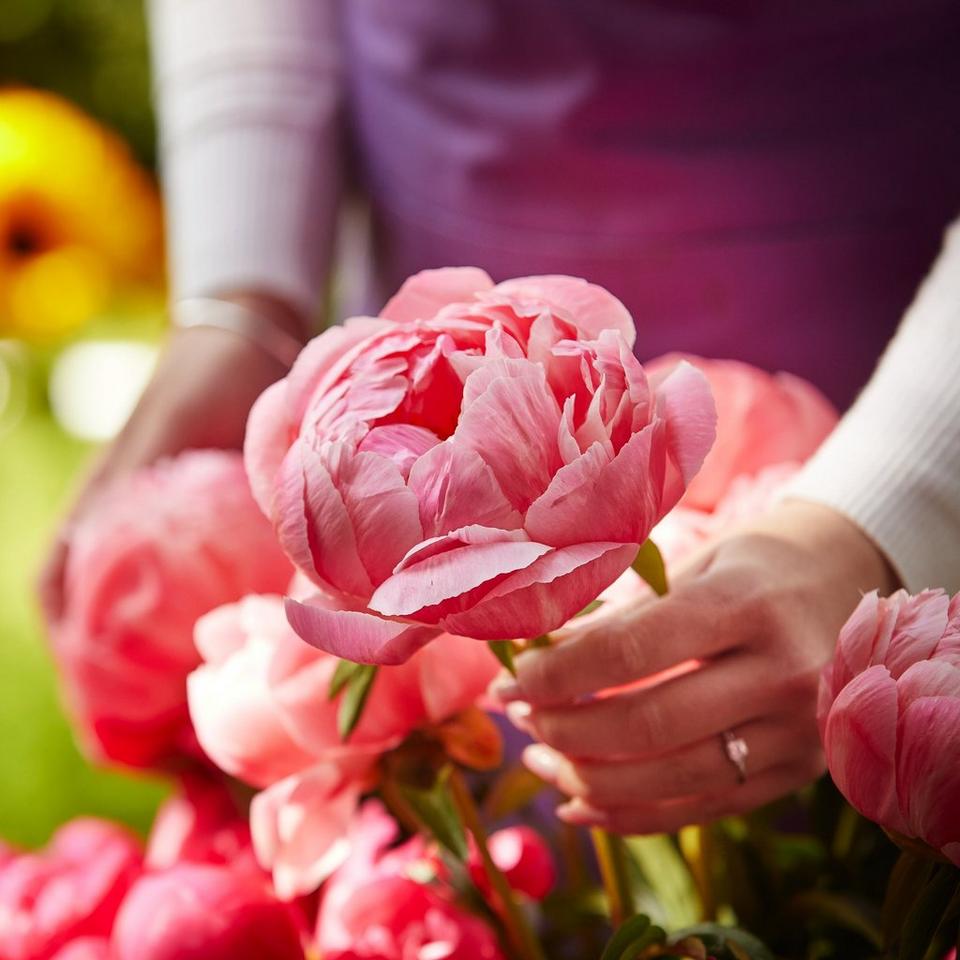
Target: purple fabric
{"x":763,"y":180}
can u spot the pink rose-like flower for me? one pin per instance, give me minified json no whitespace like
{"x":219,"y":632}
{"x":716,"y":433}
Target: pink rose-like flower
{"x":481,"y":460}
{"x":523,"y":857}
{"x":762,"y":419}
{"x":198,"y":911}
{"x":388,"y":904}
{"x":889,"y":712}
{"x":70,"y":890}
{"x":157,"y":551}
{"x":261,"y":710}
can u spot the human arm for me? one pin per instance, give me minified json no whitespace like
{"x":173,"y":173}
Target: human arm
{"x":247,"y":95}
{"x":761,"y":609}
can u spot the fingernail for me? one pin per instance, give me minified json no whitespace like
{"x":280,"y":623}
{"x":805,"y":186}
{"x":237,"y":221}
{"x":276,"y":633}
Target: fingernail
{"x":543,"y":761}
{"x":505,"y":688}
{"x":517,"y":713}
{"x":581,"y":814}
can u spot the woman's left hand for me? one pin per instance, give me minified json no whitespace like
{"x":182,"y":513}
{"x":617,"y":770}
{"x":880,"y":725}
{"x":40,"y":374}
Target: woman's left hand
{"x":754,"y":619}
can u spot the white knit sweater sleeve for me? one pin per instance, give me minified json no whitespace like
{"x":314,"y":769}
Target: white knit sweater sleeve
{"x":893,"y":463}
{"x":247,"y":93}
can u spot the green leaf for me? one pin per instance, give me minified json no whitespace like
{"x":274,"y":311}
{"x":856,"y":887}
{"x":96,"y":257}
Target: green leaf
{"x":666,"y":873}
{"x":358,"y":688}
{"x":631,"y":937}
{"x":840,"y":910}
{"x":589,"y":608}
{"x":927,"y":912}
{"x":341,"y":677}
{"x":434,"y":808}
{"x":648,"y":565}
{"x":909,"y":876}
{"x":503,"y":650}
{"x":736,"y":942}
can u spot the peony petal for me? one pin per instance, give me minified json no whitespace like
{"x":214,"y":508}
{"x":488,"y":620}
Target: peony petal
{"x":299,"y":828}
{"x":384,"y":514}
{"x":423,"y":294}
{"x":268,"y":437}
{"x":451,"y":575}
{"x":544,"y":595}
{"x":860,"y":740}
{"x":356,"y":635}
{"x":590,"y":307}
{"x":920,"y":623}
{"x":400,"y":442}
{"x":685,"y":402}
{"x":595,"y":498}
{"x":454,"y":673}
{"x":473,"y":533}
{"x":513,"y":425}
{"x":455,"y":487}
{"x":928,"y":771}
{"x":326,"y":550}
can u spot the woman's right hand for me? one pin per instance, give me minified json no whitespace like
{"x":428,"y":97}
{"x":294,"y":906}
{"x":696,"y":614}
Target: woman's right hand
{"x":205,"y":383}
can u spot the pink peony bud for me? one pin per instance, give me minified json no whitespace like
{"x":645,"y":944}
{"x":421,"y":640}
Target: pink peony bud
{"x":889,"y":712}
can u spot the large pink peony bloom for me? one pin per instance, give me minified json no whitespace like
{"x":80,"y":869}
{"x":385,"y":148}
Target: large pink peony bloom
{"x":203,"y":911}
{"x":762,"y":419}
{"x":373,"y":908}
{"x":889,"y":713}
{"x":261,"y":712}
{"x":481,"y":460}
{"x":159,"y":550}
{"x":70,"y":890}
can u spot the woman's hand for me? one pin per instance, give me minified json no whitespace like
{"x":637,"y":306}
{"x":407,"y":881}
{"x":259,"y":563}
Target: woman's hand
{"x":758,"y":614}
{"x":199,"y":396}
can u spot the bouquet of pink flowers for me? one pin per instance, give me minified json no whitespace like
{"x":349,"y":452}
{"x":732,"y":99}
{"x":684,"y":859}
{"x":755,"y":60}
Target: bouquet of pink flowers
{"x":439,"y":488}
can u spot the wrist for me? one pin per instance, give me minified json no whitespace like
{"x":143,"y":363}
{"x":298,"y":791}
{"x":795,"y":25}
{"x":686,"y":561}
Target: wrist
{"x":267,"y":325}
{"x":836,"y":543}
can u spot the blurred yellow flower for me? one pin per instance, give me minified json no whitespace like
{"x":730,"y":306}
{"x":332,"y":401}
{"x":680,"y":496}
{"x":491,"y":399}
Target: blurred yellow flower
{"x":79,"y":219}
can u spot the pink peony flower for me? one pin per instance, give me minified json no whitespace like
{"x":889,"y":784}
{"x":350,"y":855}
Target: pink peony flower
{"x":889,"y":712}
{"x":201,"y":911}
{"x":389,"y":905}
{"x":523,"y":857}
{"x":481,"y":460}
{"x":261,"y":711}
{"x":762,"y":419}
{"x":159,"y":550}
{"x":69,"y":890}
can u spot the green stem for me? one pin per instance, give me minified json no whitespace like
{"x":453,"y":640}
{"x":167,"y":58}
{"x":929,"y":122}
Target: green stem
{"x":612,"y":860}
{"x":519,"y":932}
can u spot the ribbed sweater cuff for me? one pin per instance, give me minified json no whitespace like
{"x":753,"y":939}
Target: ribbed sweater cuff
{"x":893,"y":464}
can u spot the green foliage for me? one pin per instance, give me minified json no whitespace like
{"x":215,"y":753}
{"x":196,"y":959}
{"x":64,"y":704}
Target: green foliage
{"x":356,"y":686}
{"x":433,"y":806}
{"x":649,"y":566}
{"x":94,"y":52}
{"x":632,"y":938}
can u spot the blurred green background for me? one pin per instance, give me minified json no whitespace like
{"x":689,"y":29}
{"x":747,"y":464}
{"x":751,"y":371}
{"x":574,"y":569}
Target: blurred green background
{"x":94,"y":54}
